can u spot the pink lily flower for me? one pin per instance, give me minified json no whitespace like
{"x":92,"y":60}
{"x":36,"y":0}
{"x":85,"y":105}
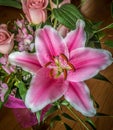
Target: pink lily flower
{"x":59,"y":67}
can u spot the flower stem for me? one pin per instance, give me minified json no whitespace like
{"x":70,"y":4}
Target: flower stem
{"x":55,"y":23}
{"x":106,"y":27}
{"x":75,"y":115}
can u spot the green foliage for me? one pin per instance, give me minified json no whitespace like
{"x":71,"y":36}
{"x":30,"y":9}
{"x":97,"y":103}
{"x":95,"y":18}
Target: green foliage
{"x":101,"y":77}
{"x":96,"y":25}
{"x":67,"y":127}
{"x":38,"y":115}
{"x":102,"y":115}
{"x":57,"y":1}
{"x":1,"y":55}
{"x":109,"y":43}
{"x":22,"y":89}
{"x":110,"y":25}
{"x":50,"y":111}
{"x":54,"y":119}
{"x":94,"y":42}
{"x":93,"y":39}
{"x":67,"y":15}
{"x":68,"y":116}
{"x":11,"y":3}
{"x":64,"y":103}
{"x":90,"y":122}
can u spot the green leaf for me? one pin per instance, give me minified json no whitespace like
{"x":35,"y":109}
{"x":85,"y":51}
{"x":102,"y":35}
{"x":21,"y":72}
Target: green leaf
{"x":90,"y":122}
{"x":11,"y":3}
{"x":94,"y":42}
{"x":1,"y":55}
{"x":64,"y":103}
{"x":67,"y":127}
{"x":68,"y":116}
{"x":50,"y":111}
{"x":63,"y":19}
{"x":96,"y":104}
{"x":96,"y":25}
{"x":72,"y":10}
{"x":109,"y":43}
{"x":57,"y":1}
{"x":38,"y":115}
{"x":110,"y":26}
{"x":101,"y":77}
{"x":103,"y":114}
{"x":22,"y":89}
{"x":55,"y":118}
{"x":67,"y":15}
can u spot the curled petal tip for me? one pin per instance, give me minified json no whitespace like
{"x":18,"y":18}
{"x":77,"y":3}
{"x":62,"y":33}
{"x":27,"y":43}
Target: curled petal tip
{"x":80,"y":22}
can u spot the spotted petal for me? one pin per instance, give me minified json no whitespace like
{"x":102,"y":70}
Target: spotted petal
{"x":88,"y":62}
{"x":48,"y":43}
{"x":25,"y":60}
{"x":44,"y":90}
{"x":79,"y":97}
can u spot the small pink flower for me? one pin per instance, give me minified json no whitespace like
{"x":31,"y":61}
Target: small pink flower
{"x":5,"y":65}
{"x":60,"y":66}
{"x":3,"y":90}
{"x":53,"y":5}
{"x":6,"y":40}
{"x":24,"y":36}
{"x":35,"y":10}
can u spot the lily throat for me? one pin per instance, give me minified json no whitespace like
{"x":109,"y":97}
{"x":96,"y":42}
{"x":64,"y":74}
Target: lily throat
{"x":59,"y":66}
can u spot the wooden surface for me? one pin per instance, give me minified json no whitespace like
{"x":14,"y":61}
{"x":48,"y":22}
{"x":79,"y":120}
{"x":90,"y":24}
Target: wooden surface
{"x":102,"y":91}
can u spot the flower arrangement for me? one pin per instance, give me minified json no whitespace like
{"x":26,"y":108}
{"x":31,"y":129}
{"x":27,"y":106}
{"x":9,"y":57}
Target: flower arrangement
{"x":45,"y":59}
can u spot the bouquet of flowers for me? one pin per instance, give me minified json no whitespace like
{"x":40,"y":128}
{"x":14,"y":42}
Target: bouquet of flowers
{"x":45,"y":59}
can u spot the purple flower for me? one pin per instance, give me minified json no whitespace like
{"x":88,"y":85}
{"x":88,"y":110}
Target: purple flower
{"x":5,"y":65}
{"x":59,"y":67}
{"x":24,"y":36}
{"x":3,"y":90}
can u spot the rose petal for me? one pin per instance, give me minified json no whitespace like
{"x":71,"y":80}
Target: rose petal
{"x":79,"y":97}
{"x":7,"y":46}
{"x":37,"y":16}
{"x":88,"y":62}
{"x":44,"y":90}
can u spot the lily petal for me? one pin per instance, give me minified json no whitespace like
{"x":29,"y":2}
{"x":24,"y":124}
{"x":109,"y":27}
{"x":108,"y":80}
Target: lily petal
{"x":76,"y":38}
{"x":25,"y":60}
{"x":44,"y":90}
{"x":48,"y":43}
{"x":79,"y":97}
{"x":88,"y":62}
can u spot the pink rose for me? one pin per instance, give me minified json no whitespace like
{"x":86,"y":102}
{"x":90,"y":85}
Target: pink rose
{"x":53,"y":5}
{"x":6,"y":40}
{"x":35,"y":10}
